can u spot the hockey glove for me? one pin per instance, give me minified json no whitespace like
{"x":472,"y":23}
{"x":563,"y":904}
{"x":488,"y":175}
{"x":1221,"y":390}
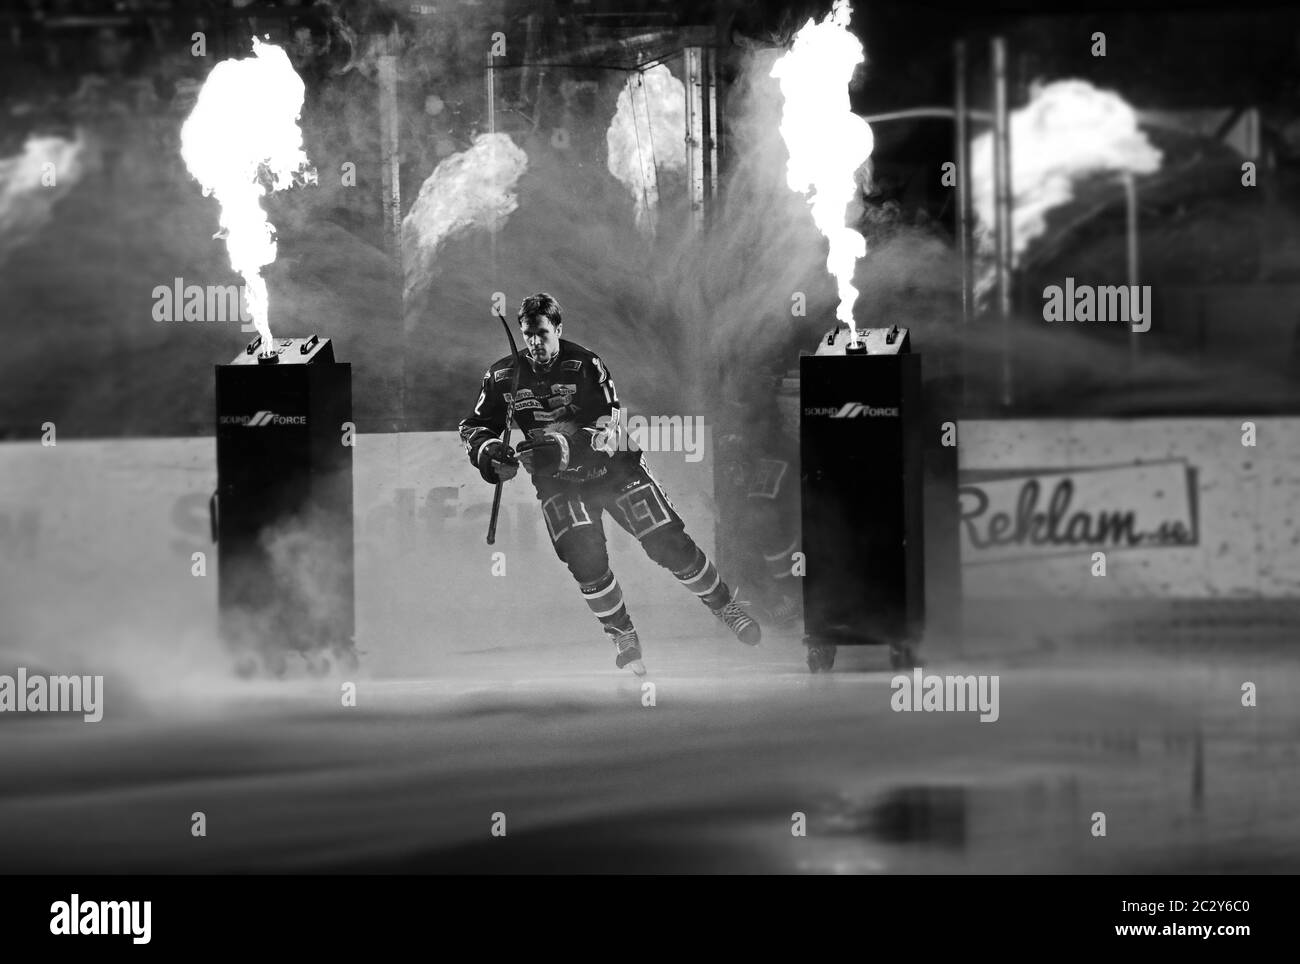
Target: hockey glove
{"x":498,"y":462}
{"x":546,"y":455}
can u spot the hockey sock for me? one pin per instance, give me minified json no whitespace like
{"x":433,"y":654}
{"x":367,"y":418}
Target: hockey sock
{"x":605,"y":598}
{"x":701,"y":577}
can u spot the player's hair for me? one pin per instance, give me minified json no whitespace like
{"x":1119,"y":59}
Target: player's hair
{"x":540,"y":305}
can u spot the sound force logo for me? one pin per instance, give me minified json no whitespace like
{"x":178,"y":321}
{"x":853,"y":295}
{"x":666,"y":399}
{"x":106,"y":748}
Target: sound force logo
{"x":854,"y":410}
{"x":262,"y":419}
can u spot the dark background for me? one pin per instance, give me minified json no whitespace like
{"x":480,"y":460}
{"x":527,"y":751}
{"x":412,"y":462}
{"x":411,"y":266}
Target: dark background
{"x":687,"y":322}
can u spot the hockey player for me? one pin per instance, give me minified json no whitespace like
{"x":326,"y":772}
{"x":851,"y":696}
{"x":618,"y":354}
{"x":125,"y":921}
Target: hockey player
{"x":584,"y":464}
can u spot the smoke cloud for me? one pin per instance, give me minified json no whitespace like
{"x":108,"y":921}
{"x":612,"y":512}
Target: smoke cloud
{"x":1069,"y":130}
{"x":646,"y":136}
{"x":473,"y":188}
{"x":31,"y":183}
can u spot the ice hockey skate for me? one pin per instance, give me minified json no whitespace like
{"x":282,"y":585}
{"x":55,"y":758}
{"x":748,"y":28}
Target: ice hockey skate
{"x":743,"y":625}
{"x":629,"y":652}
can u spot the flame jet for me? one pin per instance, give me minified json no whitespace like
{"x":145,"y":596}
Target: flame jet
{"x":828,"y":143}
{"x":242,"y":141}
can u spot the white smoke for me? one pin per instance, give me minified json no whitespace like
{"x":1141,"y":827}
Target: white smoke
{"x":1068,"y":131}
{"x":645,"y":137}
{"x":31,"y":182}
{"x":475,"y":188}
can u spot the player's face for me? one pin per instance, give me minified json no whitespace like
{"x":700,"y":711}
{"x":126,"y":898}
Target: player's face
{"x":541,"y":339}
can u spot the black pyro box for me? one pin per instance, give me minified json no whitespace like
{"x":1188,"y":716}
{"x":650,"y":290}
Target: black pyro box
{"x":862,"y":480}
{"x":283,"y":509}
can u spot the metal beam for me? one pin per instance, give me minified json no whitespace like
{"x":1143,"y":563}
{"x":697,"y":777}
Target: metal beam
{"x":391,"y":166}
{"x":695,"y":174}
{"x":645,"y":139}
{"x":712,"y":147}
{"x":1002,"y":193}
{"x":962,"y":136}
{"x":912,"y":113}
{"x":489,"y":77}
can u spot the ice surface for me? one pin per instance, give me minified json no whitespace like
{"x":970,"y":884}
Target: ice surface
{"x":707,"y":779}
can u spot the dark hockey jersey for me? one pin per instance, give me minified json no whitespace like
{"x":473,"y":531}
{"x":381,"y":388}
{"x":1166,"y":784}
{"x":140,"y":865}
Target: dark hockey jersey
{"x":573,"y":398}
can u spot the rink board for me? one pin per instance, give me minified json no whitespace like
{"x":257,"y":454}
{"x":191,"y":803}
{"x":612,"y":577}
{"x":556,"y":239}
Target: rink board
{"x":99,"y":537}
{"x":1165,"y":479}
{"x":100,"y":540}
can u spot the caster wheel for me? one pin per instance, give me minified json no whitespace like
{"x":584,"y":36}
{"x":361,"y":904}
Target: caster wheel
{"x":318,"y":666}
{"x":821,"y":658}
{"x":246,"y":667}
{"x":348,"y":660}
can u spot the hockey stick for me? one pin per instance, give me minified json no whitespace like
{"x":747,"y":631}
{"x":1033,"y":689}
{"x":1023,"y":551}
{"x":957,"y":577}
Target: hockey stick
{"x":505,"y":438}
